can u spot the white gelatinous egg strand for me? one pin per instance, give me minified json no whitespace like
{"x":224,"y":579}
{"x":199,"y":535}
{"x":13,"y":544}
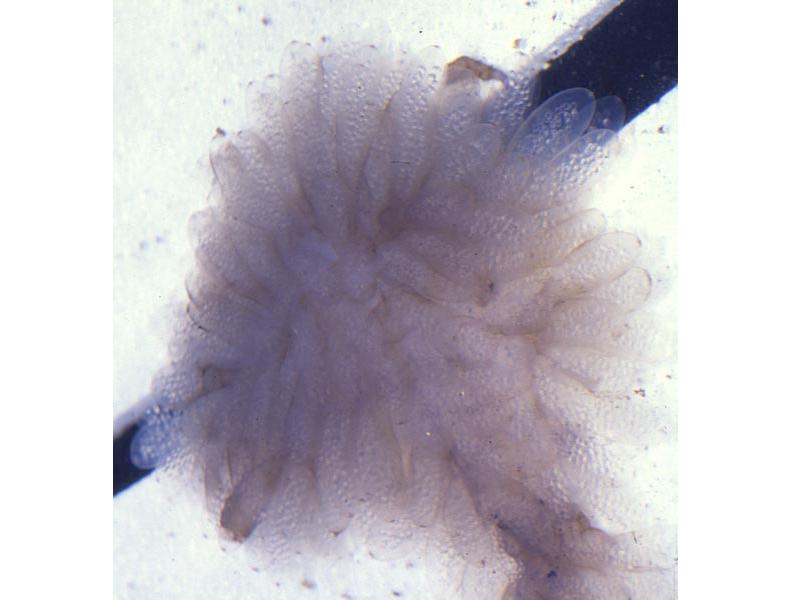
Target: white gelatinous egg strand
{"x":407,"y":322}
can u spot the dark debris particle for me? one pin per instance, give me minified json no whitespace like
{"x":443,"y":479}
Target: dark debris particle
{"x":266,"y":21}
{"x":552,"y":574}
{"x":396,"y":594}
{"x":308,"y":584}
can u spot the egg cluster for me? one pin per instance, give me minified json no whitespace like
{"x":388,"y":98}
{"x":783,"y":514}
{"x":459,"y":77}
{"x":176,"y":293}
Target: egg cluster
{"x":408,"y":323}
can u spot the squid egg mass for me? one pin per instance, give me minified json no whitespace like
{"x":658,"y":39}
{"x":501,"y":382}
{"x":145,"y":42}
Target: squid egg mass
{"x":408,"y":324}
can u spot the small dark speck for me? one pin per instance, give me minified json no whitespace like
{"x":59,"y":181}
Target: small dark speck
{"x":308,"y":584}
{"x":420,"y":30}
{"x":396,"y":594}
{"x":240,"y":9}
{"x":553,"y":18}
{"x":221,"y":131}
{"x":551,"y":574}
{"x":661,"y":129}
{"x":265,"y":21}
{"x":640,"y":392}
